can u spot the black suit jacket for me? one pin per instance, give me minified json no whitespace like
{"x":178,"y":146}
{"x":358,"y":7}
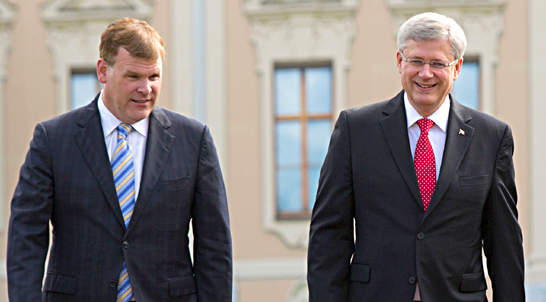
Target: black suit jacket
{"x":67,"y":180}
{"x":368,"y":176}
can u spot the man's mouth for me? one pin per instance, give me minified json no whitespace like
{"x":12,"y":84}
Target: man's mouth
{"x":425,"y":86}
{"x":140,"y":101}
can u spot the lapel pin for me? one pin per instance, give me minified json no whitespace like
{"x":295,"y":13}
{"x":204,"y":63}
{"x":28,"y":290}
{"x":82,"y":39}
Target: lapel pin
{"x":461,"y":132}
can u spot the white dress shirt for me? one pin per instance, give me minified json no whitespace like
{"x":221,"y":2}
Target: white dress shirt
{"x":135,"y":139}
{"x":436,"y":135}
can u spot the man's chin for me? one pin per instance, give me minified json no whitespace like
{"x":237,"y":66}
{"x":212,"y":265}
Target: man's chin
{"x":425,"y":100}
{"x":136,"y":117}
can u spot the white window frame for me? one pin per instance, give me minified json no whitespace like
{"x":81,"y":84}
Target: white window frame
{"x":474,"y":59}
{"x":304,"y":214}
{"x":312,"y":31}
{"x":86,"y":71}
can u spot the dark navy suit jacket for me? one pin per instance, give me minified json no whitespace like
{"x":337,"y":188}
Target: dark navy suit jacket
{"x":368,"y":177}
{"x":67,"y":180}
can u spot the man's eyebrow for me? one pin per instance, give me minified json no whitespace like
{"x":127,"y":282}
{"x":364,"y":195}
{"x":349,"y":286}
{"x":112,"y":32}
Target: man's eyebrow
{"x":155,"y":73}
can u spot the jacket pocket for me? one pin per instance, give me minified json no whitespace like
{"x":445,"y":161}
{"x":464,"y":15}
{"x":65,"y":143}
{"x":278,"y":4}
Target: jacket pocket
{"x":473,"y":282}
{"x":473,"y":181}
{"x":181,"y":286}
{"x":166,"y":185}
{"x":360,"y":273}
{"x":61,"y":284}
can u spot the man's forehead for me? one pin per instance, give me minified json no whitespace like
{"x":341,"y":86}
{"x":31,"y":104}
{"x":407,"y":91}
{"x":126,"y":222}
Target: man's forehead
{"x":124,"y":54}
{"x":440,"y":46}
{"x":137,"y":63}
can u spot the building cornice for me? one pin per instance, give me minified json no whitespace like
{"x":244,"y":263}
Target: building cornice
{"x":66,"y":12}
{"x":278,"y":10}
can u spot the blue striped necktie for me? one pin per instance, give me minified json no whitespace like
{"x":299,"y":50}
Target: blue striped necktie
{"x":124,"y":178}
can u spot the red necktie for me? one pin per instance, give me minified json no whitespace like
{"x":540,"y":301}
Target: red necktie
{"x":425,"y":164}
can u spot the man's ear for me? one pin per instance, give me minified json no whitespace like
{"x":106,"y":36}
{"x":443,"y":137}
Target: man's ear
{"x":457,"y":70}
{"x":399,"y":61}
{"x":102,"y":70}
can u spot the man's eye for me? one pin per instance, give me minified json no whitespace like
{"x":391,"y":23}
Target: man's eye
{"x":437,"y":64}
{"x":417,"y":62}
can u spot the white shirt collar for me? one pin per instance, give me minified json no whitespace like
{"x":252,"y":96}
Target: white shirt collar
{"x":111,"y":122}
{"x":440,"y":117}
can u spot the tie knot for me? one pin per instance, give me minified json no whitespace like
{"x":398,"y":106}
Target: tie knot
{"x":425,"y":124}
{"x":124,"y":130}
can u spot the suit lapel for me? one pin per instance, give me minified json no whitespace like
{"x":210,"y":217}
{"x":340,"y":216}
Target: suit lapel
{"x":396,"y":133}
{"x":158,"y":147}
{"x":90,"y":140}
{"x":458,"y":138}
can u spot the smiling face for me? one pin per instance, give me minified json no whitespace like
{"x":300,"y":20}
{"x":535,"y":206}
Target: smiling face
{"x":428,"y":88}
{"x":131,"y":87}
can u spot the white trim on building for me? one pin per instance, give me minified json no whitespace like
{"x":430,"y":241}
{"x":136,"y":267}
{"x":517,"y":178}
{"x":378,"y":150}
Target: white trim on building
{"x":199,"y":84}
{"x":274,"y":269}
{"x":298,"y":32}
{"x":536,"y":262}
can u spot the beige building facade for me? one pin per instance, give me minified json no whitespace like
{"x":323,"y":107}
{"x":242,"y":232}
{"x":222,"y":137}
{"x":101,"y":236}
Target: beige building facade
{"x":225,"y":60}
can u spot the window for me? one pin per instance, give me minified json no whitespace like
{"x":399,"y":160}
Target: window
{"x":466,"y":88}
{"x":84,"y":85}
{"x":308,"y":28}
{"x":303,"y":124}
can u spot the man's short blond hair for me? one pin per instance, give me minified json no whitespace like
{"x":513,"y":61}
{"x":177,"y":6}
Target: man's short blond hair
{"x":136,"y":36}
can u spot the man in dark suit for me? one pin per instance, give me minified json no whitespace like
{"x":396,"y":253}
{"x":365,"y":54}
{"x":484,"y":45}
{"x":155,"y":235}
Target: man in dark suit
{"x":120,"y":180}
{"x":424,"y":183}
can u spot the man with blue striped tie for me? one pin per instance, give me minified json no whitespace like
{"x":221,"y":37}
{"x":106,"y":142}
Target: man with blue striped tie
{"x":120,"y":180}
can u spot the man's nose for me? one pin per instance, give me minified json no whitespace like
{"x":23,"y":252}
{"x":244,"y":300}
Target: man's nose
{"x":145,"y":87}
{"x":426,"y":71}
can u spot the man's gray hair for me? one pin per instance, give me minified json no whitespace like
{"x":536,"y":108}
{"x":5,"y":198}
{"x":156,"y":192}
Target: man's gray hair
{"x":432,"y":26}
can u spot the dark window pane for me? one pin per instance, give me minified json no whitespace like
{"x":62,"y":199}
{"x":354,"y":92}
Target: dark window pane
{"x":318,"y":136}
{"x":289,"y":190}
{"x":288,"y":143}
{"x":313,"y":179}
{"x":287,"y":91}
{"x":466,"y":88}
{"x":83,"y":88}
{"x":318,"y":89}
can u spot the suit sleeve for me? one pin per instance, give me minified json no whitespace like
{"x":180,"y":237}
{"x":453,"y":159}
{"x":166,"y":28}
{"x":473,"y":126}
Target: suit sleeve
{"x":502,"y":237}
{"x":28,"y":235}
{"x":212,"y":237}
{"x":331,"y":240}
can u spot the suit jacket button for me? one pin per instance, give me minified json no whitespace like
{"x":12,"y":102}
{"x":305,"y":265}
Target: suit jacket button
{"x":411,"y":280}
{"x":113,"y":283}
{"x":125,"y":244}
{"x":420,"y":236}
